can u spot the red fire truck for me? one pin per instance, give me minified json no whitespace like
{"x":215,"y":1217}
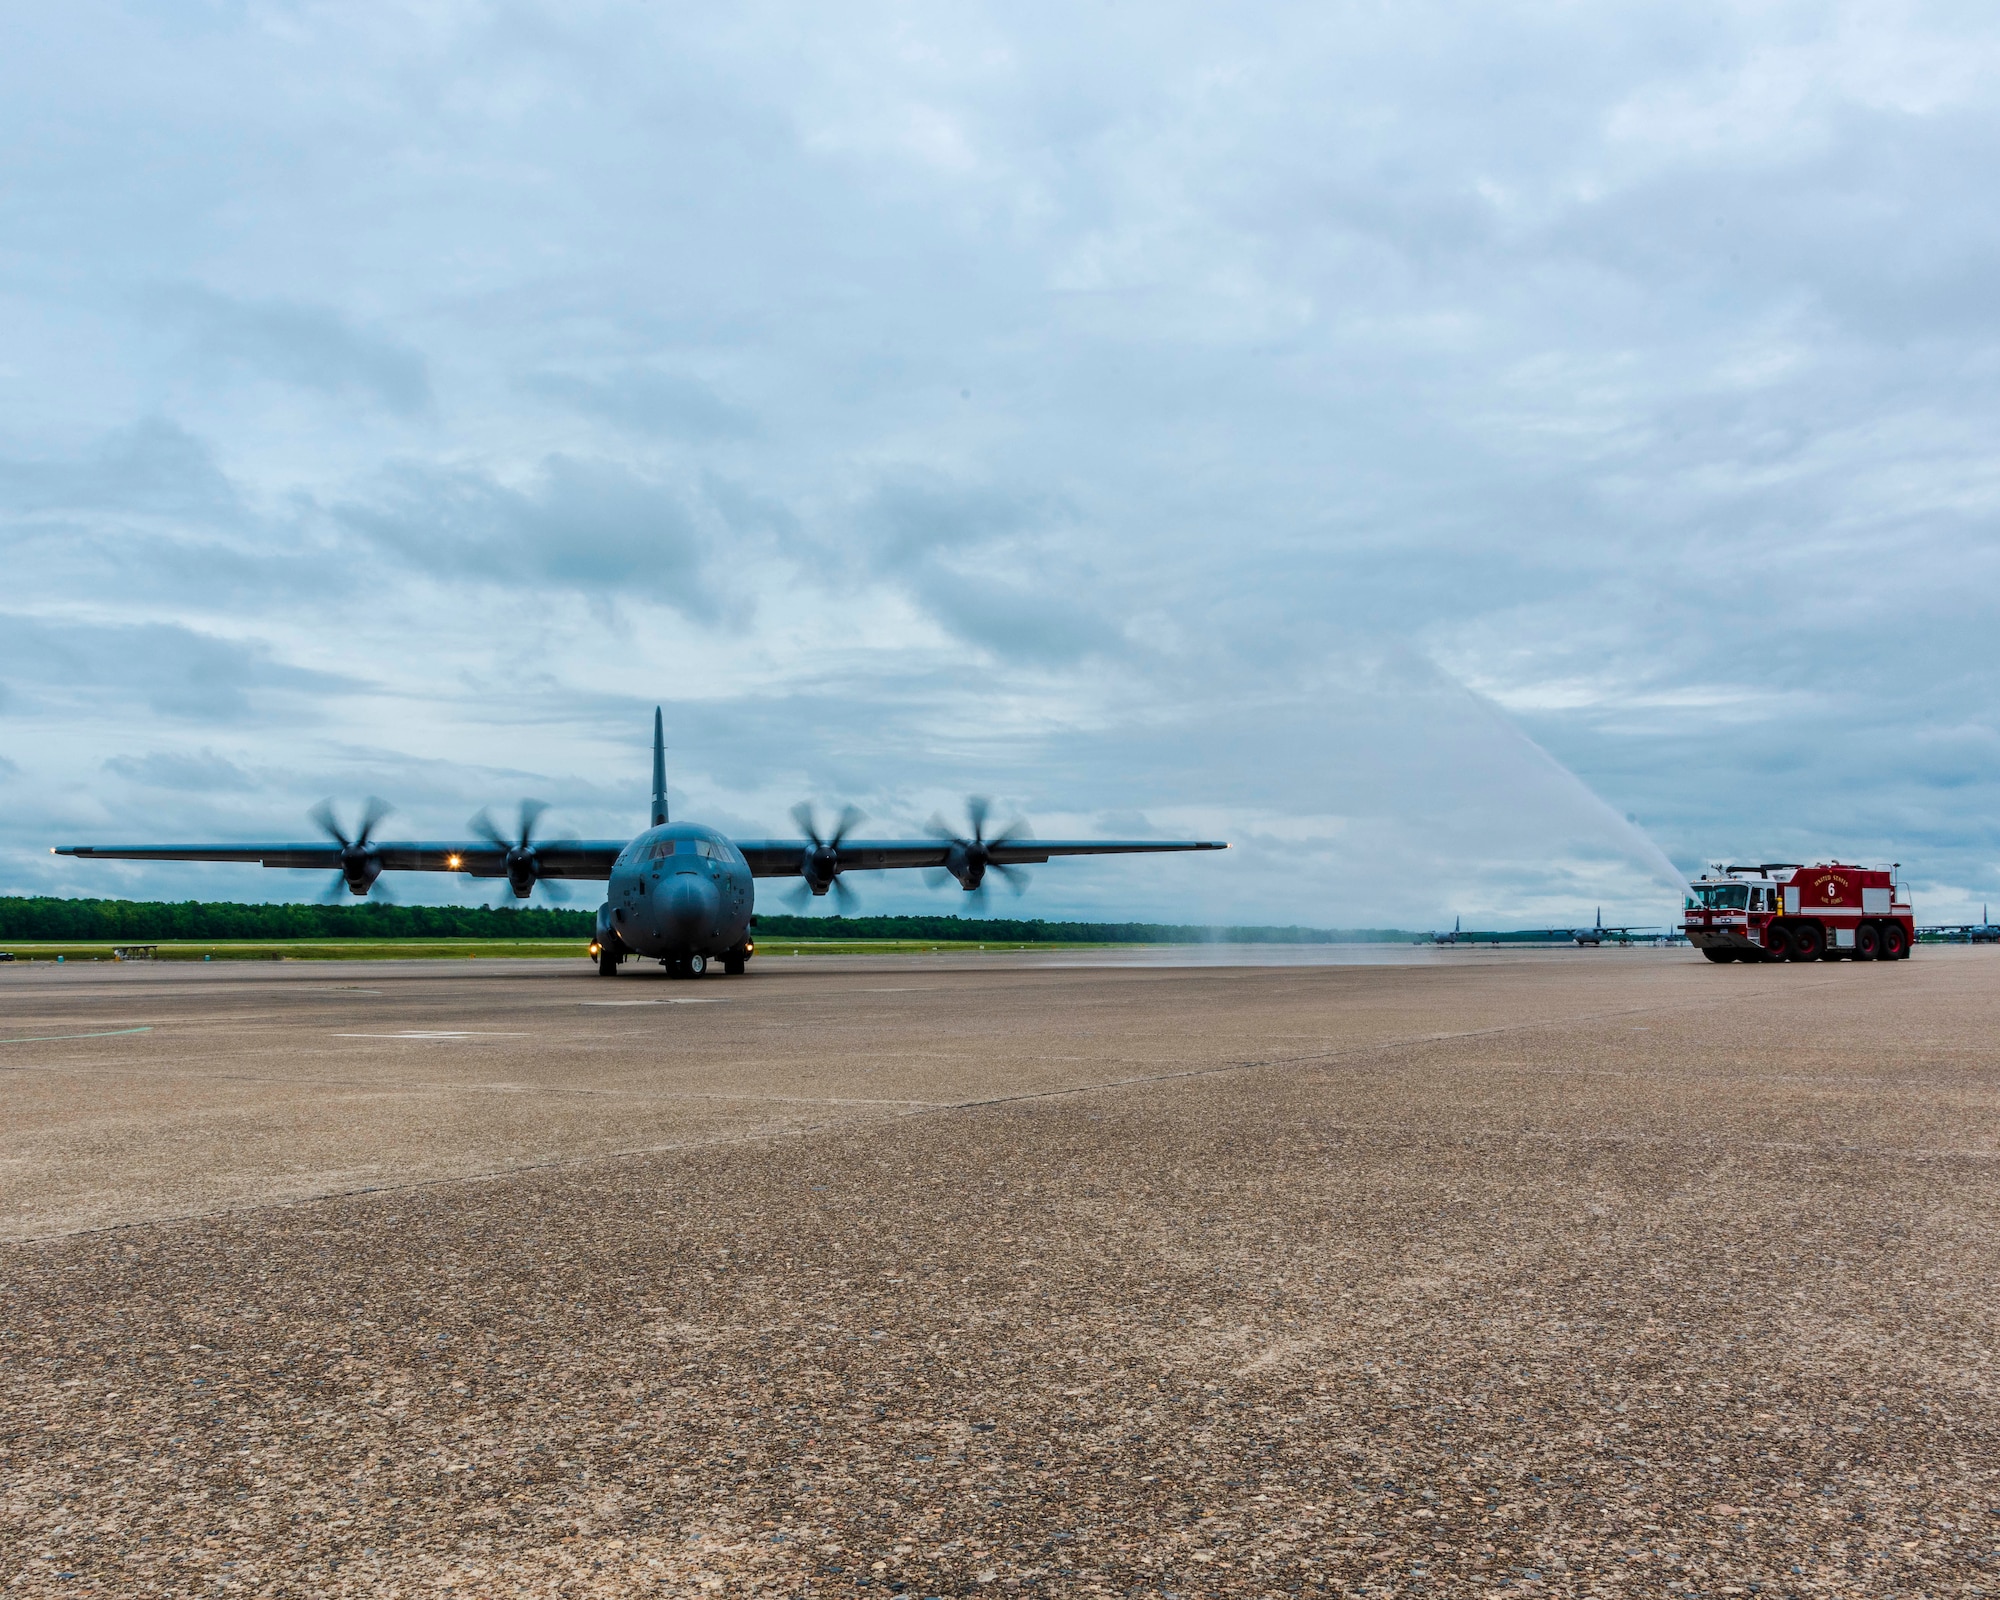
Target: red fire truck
{"x":1781,"y":911}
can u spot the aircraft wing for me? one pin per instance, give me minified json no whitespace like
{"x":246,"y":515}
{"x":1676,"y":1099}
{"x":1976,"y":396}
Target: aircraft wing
{"x":556,"y":858}
{"x":592,"y":858}
{"x":780,"y":858}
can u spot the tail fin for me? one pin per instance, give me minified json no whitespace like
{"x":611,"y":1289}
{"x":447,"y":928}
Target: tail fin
{"x":659,"y":767}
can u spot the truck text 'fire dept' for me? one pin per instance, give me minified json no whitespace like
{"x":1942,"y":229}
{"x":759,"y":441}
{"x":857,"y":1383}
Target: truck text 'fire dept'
{"x":1781,"y":911}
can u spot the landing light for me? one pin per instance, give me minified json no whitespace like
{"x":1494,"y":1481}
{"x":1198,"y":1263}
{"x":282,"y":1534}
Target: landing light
{"x":454,"y":862}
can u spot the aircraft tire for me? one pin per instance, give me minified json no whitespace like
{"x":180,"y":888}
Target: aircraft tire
{"x":733,"y":967}
{"x":607,"y":964}
{"x":1716,"y":953}
{"x":694,"y":966}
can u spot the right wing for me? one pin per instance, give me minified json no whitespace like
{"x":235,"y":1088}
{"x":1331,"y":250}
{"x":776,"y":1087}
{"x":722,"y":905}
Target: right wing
{"x":556,"y":858}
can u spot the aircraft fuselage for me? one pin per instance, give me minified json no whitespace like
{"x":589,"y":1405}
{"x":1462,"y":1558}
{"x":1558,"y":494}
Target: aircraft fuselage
{"x":679,"y":890}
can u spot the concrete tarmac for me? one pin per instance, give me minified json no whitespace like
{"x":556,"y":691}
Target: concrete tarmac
{"x":1588,"y":1272}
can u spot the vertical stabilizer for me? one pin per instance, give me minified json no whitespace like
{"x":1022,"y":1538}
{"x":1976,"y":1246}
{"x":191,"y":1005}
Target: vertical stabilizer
{"x":659,"y":767}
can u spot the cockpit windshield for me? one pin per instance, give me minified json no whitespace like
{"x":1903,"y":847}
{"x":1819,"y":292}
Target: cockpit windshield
{"x":1720,"y":897}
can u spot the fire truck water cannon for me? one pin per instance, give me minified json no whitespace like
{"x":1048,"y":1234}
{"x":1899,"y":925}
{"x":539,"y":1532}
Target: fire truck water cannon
{"x":1781,"y":911}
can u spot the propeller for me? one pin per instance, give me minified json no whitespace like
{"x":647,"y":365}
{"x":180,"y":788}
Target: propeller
{"x":819,"y":867}
{"x":970,"y":859}
{"x":360,"y":861}
{"x":520,"y":857}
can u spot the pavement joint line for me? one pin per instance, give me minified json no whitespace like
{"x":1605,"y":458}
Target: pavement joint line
{"x":918,"y":1109}
{"x":57,"y":1038}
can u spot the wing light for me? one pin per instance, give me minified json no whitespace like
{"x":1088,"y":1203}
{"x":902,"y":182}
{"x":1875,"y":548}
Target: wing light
{"x":454,"y":862}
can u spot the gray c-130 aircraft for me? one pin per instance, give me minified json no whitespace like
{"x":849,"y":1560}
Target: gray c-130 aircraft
{"x":679,"y":893}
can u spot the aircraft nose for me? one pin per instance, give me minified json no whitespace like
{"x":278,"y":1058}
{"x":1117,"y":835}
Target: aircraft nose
{"x":688,"y":908}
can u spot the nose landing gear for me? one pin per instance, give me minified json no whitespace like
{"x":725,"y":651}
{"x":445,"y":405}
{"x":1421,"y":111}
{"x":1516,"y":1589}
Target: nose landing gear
{"x":686,"y":966}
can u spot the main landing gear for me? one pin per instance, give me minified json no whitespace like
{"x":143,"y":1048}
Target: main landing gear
{"x":609,"y":957}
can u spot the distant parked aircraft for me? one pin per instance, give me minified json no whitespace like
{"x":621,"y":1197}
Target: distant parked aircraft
{"x":1596,"y":934}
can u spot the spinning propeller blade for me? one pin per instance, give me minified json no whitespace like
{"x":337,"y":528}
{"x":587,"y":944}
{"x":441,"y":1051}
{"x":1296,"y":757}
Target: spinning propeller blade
{"x":360,"y":866}
{"x":520,"y":855}
{"x":819,"y":867}
{"x":970,"y":858}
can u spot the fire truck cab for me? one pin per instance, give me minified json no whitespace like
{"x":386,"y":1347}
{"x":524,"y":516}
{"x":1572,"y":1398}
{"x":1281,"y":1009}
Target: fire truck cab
{"x":1781,"y":911}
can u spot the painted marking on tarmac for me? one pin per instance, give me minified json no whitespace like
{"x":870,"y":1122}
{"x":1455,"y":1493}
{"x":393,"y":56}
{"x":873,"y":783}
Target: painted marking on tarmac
{"x":53,"y":1038}
{"x":431,"y":1033}
{"x":714,"y":1000}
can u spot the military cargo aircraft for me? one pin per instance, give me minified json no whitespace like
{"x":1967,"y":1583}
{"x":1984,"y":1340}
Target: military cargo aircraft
{"x":679,"y":893}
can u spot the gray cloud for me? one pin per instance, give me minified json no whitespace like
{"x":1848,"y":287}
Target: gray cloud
{"x":998,"y":568}
{"x":647,"y":401}
{"x":590,"y":526}
{"x":311,"y":347}
{"x":153,"y":466}
{"x":200,"y":772}
{"x":175,"y":671}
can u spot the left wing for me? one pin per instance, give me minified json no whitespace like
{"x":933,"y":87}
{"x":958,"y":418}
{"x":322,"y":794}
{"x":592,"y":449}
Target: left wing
{"x":781,"y":858}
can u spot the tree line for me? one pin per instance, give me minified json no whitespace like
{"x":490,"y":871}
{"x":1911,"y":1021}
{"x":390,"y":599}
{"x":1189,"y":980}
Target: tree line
{"x":39,"y":917}
{"x":151,"y":921}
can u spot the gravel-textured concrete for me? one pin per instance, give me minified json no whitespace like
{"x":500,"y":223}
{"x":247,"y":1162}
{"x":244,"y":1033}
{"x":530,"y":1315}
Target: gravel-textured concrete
{"x":1607,"y":1272}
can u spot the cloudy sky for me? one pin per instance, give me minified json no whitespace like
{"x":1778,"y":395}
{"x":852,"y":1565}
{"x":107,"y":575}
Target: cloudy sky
{"x":1406,"y":441}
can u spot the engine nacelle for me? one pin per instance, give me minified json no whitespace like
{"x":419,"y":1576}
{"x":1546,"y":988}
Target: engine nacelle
{"x":360,"y":868}
{"x":967,"y":864}
{"x":819,"y":867}
{"x":522,"y":870}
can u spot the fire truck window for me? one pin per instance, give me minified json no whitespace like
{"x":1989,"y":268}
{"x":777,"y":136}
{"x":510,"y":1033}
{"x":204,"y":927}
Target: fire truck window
{"x":1724,"y":896}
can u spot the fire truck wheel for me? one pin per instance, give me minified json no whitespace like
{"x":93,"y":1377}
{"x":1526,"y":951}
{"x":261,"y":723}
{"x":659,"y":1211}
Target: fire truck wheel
{"x":1778,"y":945}
{"x":1866,"y":942}
{"x":1714,"y":954}
{"x":1806,"y":942}
{"x":1895,"y":943}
